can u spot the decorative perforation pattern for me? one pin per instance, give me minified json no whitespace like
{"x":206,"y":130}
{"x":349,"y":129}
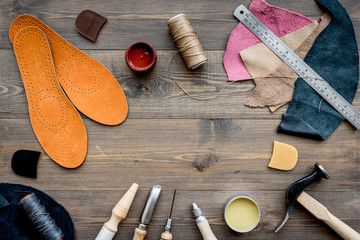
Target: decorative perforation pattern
{"x":55,"y":121}
{"x":37,"y":97}
{"x":74,"y":56}
{"x":89,"y":85}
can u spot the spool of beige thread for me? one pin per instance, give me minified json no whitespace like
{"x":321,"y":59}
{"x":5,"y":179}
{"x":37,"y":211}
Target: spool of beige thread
{"x":187,"y":41}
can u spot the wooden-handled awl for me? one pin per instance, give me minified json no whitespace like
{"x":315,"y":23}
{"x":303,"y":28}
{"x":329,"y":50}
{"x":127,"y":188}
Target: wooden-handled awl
{"x":118,"y":214}
{"x":202,"y":223}
{"x":167,"y":235}
{"x":147,"y":213}
{"x":295,"y":192}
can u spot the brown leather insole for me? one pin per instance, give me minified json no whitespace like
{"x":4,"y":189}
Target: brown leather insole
{"x":56,"y":123}
{"x":88,"y":84}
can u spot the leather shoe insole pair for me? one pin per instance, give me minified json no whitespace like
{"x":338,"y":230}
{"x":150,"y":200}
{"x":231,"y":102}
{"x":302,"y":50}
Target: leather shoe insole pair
{"x":45,"y":59}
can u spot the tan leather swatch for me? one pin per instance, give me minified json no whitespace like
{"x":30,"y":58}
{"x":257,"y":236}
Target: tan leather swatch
{"x":55,"y":121}
{"x":261,"y":61}
{"x":88,"y":84}
{"x":275,"y":81}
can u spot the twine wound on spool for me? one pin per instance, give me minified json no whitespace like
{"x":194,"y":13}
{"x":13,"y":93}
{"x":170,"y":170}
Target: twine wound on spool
{"x":187,"y":41}
{"x":190,"y":48}
{"x":41,"y":218}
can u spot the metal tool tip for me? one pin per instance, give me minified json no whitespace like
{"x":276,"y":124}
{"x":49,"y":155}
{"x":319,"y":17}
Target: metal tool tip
{"x":156,"y":186}
{"x":282,"y":223}
{"x":322,"y":170}
{"x":196,"y":210}
{"x":172,"y":203}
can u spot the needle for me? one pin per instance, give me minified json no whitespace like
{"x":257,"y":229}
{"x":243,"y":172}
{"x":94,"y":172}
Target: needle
{"x":166,"y":235}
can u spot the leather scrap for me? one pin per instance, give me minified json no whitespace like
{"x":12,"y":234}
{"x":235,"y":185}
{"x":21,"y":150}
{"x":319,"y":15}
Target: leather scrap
{"x":24,"y":163}
{"x":260,"y":61}
{"x":55,"y":121}
{"x":89,"y":85}
{"x":280,"y":21}
{"x":3,"y":202}
{"x":274,"y":79}
{"x":88,"y":23}
{"x":335,"y":57}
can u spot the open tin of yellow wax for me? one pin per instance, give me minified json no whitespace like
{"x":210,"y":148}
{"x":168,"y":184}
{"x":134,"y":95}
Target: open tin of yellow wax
{"x":241,"y":213}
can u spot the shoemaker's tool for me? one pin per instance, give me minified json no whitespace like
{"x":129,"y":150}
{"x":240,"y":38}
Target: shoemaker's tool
{"x":118,"y":214}
{"x":202,"y":223}
{"x":295,"y":192}
{"x":147,"y":213}
{"x":298,"y":65}
{"x":166,"y":235}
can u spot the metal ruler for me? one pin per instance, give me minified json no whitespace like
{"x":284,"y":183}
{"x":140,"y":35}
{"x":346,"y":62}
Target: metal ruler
{"x":298,"y":65}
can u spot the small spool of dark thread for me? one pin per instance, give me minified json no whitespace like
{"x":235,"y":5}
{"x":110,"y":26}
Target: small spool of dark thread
{"x":41,"y":218}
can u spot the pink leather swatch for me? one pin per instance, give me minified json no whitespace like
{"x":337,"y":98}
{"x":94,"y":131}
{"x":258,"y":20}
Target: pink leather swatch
{"x":280,"y":21}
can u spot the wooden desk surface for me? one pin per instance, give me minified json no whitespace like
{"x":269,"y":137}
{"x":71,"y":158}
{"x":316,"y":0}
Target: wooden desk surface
{"x":167,"y":134}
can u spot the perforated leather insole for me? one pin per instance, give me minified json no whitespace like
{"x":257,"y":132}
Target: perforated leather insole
{"x":56,"y":123}
{"x":88,"y":84}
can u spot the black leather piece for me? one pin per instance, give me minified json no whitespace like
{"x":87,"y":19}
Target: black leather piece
{"x":24,"y":163}
{"x":3,"y":202}
{"x":335,"y":57}
{"x":293,"y":125}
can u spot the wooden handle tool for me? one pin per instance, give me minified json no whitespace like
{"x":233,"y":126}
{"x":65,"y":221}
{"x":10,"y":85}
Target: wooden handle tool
{"x":296,"y":188}
{"x":202,"y":223}
{"x":139,"y":234}
{"x":205,"y":230}
{"x":295,"y":192}
{"x":322,"y":213}
{"x":166,"y":235}
{"x":118,"y":214}
{"x":147,"y":213}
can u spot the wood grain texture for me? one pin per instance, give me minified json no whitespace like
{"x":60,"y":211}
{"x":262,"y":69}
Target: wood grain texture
{"x":147,"y":20}
{"x":321,"y":212}
{"x":154,"y":95}
{"x":209,"y":151}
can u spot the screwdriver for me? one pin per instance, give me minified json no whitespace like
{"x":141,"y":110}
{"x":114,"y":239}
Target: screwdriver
{"x":166,"y":235}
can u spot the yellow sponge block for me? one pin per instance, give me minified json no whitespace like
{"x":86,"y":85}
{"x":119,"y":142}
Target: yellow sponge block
{"x":284,"y":156}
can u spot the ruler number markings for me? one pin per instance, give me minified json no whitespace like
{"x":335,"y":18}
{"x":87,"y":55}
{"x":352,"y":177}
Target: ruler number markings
{"x":298,"y":65}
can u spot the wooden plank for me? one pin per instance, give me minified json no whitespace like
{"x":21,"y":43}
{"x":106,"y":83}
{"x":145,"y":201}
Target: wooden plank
{"x":96,"y":208}
{"x":208,"y":150}
{"x":215,"y":154}
{"x":131,"y":21}
{"x":154,"y":95}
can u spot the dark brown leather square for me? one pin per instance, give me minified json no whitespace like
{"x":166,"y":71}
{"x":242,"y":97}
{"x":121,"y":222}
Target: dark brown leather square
{"x":89,"y":23}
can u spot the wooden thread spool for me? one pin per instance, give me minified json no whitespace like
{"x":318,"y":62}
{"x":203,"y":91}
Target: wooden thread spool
{"x":187,"y":41}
